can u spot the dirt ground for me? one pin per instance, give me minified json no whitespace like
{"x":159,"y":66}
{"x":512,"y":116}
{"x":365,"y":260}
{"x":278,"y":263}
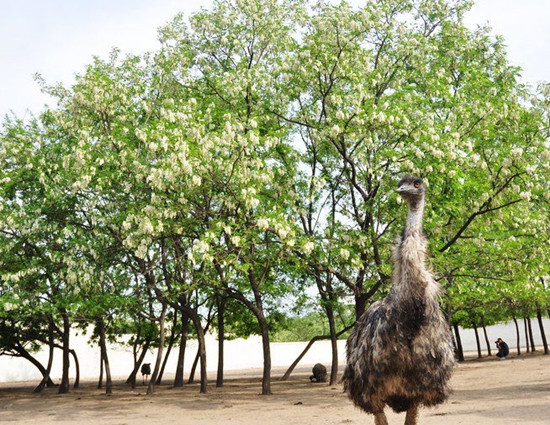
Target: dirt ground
{"x":514,"y":391}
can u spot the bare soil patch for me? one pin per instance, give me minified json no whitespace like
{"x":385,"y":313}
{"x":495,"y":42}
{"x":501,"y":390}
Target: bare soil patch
{"x":513,"y":391}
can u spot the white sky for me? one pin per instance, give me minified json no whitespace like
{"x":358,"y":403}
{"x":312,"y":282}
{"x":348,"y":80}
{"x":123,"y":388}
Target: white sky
{"x":57,"y":38}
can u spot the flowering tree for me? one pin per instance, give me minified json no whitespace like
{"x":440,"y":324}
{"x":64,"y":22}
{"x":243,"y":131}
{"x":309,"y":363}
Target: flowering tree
{"x":256,"y":154}
{"x":405,"y":87}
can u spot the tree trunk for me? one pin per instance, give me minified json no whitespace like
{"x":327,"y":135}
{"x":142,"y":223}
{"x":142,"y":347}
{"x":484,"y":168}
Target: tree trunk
{"x":460,"y":351}
{"x":100,"y":380}
{"x":485,"y":335}
{"x":334,"y":345}
{"x":266,"y":378}
{"x":453,"y":339}
{"x":477,"y":341}
{"x":360,"y":304}
{"x":168,"y":351}
{"x":178,"y":380}
{"x":517,"y":335}
{"x":104,"y":356}
{"x":171,"y":340}
{"x":194,"y":367}
{"x":531,"y":339}
{"x":528,"y":348}
{"x":46,"y":380}
{"x":64,"y":386}
{"x":77,"y":369}
{"x":27,"y":356}
{"x":221,"y":338}
{"x":542,"y":334}
{"x":152,"y":380}
{"x":137,"y":363}
{"x":202,"y":345}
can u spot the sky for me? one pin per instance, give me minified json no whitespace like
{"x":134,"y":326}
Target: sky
{"x":57,"y":38}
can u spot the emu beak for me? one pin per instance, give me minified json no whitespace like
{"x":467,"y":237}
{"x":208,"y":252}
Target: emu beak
{"x":400,"y":189}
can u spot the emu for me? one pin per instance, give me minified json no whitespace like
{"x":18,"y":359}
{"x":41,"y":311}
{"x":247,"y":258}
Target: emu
{"x":399,"y":353}
{"x":319,"y":373}
{"x":145,"y":371}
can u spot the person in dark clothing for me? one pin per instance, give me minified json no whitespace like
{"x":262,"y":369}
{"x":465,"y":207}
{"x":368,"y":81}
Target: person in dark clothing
{"x":503,"y":349}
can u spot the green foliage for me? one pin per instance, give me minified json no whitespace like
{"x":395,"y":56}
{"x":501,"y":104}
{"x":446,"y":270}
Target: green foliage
{"x":254,"y":156}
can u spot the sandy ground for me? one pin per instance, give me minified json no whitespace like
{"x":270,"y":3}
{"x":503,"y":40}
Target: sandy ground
{"x":514,"y":391}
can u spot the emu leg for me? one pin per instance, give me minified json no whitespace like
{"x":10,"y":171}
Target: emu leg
{"x":380,"y":419}
{"x":412,"y":416}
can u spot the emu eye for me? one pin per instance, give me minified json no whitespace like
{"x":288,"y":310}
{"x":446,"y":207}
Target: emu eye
{"x":416,"y":183}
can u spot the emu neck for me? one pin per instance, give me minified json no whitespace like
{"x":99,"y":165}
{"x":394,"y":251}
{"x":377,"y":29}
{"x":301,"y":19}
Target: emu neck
{"x":413,"y":226}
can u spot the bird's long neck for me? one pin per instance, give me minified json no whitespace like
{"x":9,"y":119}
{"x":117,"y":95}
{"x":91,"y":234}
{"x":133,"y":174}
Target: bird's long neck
{"x":413,"y":225}
{"x":410,"y":253}
{"x":412,"y":286}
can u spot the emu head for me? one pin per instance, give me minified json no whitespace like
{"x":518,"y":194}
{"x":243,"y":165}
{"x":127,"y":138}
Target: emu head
{"x":412,"y":189}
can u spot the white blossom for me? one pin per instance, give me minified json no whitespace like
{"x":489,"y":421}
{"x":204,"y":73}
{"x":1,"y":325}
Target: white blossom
{"x":141,"y":251}
{"x":202,"y":246}
{"x":197,"y":180}
{"x":141,"y":135}
{"x":283,"y":233}
{"x":308,"y":247}
{"x":517,"y":152}
{"x":146,"y":226}
{"x":335,"y":131}
{"x":252,"y":202}
{"x":263,"y":223}
{"x":344,"y":254}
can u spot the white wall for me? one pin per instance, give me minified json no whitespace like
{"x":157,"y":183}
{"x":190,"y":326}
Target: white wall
{"x":239,"y":354}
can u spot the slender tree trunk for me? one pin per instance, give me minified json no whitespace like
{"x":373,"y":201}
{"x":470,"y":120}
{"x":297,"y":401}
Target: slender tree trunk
{"x":258,"y":311}
{"x":168,"y":351}
{"x":531,"y":339}
{"x":460,"y":351}
{"x":171,"y":340}
{"x":528,"y":348}
{"x":221,"y":340}
{"x":326,"y":292}
{"x":22,"y":352}
{"x":137,"y":363}
{"x":202,"y":345}
{"x":542,"y":334}
{"x":477,"y":341}
{"x":191,"y":379}
{"x":152,"y":380}
{"x":334,"y":345}
{"x":100,"y":380}
{"x":178,"y":380}
{"x":266,"y":378}
{"x":64,"y":386}
{"x":453,"y":339}
{"x":485,"y":335}
{"x":46,"y":380}
{"x":360,"y":303}
{"x":517,"y":335}
{"x":77,"y":369}
{"x":104,"y":356}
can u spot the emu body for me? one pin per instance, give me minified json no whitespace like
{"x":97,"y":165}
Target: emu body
{"x":145,"y":371}
{"x":319,"y":373}
{"x":399,"y":353}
